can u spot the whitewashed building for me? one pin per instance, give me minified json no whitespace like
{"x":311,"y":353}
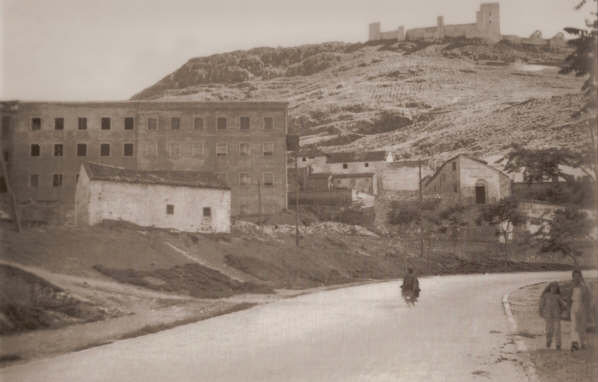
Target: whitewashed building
{"x":183,"y":200}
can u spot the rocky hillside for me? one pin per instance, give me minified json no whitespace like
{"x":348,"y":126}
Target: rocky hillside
{"x":417,"y":99}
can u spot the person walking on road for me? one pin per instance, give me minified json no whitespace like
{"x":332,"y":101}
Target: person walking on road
{"x":551,"y":307}
{"x":580,"y":310}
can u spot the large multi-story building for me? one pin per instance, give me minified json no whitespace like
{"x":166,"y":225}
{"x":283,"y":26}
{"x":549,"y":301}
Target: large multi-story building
{"x":244,"y":143}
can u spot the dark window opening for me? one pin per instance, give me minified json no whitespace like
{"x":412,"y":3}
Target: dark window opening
{"x":221,"y":123}
{"x":76,"y":178}
{"x":105,"y":123}
{"x":34,"y":180}
{"x":366,"y":164}
{"x":58,"y":123}
{"x":454,"y":166}
{"x":57,"y":180}
{"x":170,"y":209}
{"x":198,"y":123}
{"x":6,"y":156}
{"x":480,"y":194}
{"x":81,"y":149}
{"x":244,"y":123}
{"x":268,"y":123}
{"x":304,"y":159}
{"x":175,"y":123}
{"x":35,"y":150}
{"x":345,"y":165}
{"x":3,"y":188}
{"x":5,"y":126}
{"x":207,"y":212}
{"x":128,"y":149}
{"x":105,"y":149}
{"x":268,"y":179}
{"x":129,"y":123}
{"x":152,"y":123}
{"x":58,"y":150}
{"x":82,"y":123}
{"x":268,"y":149}
{"x":36,"y":123}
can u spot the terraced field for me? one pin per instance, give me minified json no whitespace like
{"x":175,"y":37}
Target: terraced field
{"x":456,"y":96}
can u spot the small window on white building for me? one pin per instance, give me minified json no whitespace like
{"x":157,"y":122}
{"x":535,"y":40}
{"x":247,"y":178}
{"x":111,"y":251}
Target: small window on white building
{"x":170,"y":209}
{"x":221,"y":123}
{"x":454,"y":166}
{"x":207,"y":212}
{"x":244,"y":123}
{"x":345,"y":166}
{"x":175,"y":123}
{"x":366,"y":164}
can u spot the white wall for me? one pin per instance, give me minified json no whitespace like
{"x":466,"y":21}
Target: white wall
{"x":145,"y":205}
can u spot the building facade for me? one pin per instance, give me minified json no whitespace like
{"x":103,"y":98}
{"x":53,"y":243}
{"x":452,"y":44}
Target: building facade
{"x":467,"y":180}
{"x":183,"y":200}
{"x":244,"y":143}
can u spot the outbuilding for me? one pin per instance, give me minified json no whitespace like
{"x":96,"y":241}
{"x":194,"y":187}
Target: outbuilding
{"x":189,"y":201}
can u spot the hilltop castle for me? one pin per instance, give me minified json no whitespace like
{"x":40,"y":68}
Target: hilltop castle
{"x":487,"y":26}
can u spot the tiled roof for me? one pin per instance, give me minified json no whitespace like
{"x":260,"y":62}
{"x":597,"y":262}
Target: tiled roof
{"x":367,"y":156}
{"x":196,"y":179}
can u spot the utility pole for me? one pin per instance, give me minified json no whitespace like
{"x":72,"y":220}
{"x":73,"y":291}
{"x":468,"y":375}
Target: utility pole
{"x":421,"y":198}
{"x":259,"y":201}
{"x":296,"y":197}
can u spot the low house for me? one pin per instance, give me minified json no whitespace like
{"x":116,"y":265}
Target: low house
{"x":357,"y":162}
{"x":467,"y":180}
{"x":182,"y":200}
{"x":364,"y":182}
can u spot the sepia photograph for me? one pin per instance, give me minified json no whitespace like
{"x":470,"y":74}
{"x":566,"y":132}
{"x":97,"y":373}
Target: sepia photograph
{"x":315,"y":190}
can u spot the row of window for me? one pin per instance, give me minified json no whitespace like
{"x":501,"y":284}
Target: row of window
{"x":207,"y":211}
{"x":152,"y":123}
{"x":244,"y":179}
{"x":175,"y":150}
{"x":82,"y":150}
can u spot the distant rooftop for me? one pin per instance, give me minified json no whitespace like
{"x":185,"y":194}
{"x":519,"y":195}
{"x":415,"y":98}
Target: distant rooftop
{"x":124,"y":103}
{"x":197,"y":179}
{"x":368,"y":156}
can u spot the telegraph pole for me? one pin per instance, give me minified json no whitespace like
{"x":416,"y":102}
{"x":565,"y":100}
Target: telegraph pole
{"x":296,"y":197}
{"x":421,"y":198}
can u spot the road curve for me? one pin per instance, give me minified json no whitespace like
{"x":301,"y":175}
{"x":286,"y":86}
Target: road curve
{"x":457,"y":331}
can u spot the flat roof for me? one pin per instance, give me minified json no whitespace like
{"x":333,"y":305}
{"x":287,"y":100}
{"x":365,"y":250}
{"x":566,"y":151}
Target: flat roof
{"x":125,"y":103}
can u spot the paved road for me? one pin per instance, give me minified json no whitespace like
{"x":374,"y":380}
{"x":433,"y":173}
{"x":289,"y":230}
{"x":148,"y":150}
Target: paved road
{"x":457,"y":331}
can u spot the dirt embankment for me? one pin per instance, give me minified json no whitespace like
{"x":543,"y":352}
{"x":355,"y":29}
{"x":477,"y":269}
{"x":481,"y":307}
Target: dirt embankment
{"x":28,"y":302}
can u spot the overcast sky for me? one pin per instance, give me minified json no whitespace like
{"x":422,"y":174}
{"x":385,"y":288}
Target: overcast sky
{"x":111,"y":49}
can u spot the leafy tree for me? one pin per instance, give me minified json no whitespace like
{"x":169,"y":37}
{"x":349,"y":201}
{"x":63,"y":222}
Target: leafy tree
{"x":564,"y":233}
{"x":540,"y":165}
{"x":504,"y":216}
{"x":584,"y":63}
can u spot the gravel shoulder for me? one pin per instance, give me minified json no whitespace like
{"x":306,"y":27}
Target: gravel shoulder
{"x":552,"y":365}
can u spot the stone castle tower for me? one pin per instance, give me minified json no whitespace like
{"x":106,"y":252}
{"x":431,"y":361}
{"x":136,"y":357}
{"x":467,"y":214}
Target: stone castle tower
{"x":488,"y":21}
